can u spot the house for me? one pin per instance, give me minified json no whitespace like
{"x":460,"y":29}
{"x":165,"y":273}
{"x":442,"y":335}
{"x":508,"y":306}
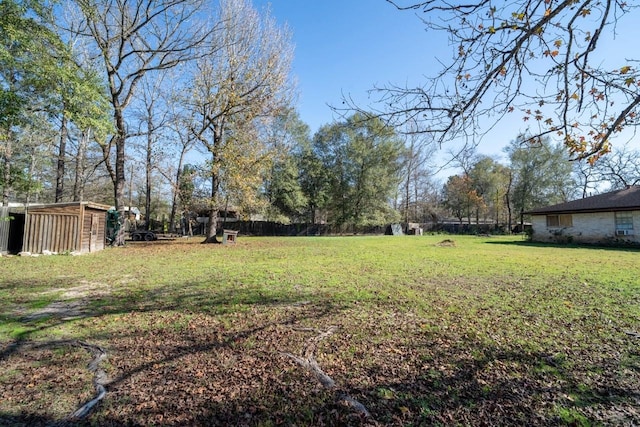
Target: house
{"x":609,"y":218}
{"x":57,"y":228}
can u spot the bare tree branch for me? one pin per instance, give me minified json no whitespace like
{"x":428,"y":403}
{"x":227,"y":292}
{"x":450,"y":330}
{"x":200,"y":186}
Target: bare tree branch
{"x":531,"y":58}
{"x":133,"y":39}
{"x":242,"y":78}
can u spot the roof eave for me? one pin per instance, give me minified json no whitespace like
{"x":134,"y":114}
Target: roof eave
{"x":572,"y":211}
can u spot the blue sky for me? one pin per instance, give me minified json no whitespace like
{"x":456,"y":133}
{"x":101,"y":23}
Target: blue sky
{"x":347,"y":47}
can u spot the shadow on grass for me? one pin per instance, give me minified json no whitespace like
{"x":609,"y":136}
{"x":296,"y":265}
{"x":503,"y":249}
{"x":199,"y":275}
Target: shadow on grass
{"x":223,"y":366}
{"x":145,"y":362}
{"x":27,"y":419}
{"x":433,"y":384}
{"x":497,"y":386}
{"x":192,"y":297}
{"x":565,"y":246}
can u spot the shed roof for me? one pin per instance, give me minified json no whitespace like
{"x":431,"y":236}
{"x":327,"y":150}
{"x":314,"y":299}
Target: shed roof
{"x":620,"y":200}
{"x":86,"y":204}
{"x":44,"y":206}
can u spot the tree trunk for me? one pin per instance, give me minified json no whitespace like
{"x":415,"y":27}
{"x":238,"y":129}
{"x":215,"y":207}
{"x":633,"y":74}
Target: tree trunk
{"x":78,"y":186}
{"x":172,"y":214}
{"x":6,"y":167}
{"x":148,"y":168}
{"x":417,"y":215}
{"x":508,"y":202}
{"x":407,"y":204}
{"x":119,"y":183}
{"x":212,"y":224}
{"x":497,"y":209}
{"x":32,"y":166}
{"x":174,"y":198}
{"x":61,"y":159}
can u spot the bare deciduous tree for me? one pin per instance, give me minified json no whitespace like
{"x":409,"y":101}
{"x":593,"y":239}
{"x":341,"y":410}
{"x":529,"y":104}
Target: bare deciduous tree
{"x":133,"y":39}
{"x":85,"y":112}
{"x":243,"y":77}
{"x":620,"y":169}
{"x":535,"y":59}
{"x":178,"y":125}
{"x":418,"y":171}
{"x":154,"y":117}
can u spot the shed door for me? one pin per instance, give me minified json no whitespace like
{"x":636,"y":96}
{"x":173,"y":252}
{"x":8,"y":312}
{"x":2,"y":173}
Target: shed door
{"x":93,"y":238}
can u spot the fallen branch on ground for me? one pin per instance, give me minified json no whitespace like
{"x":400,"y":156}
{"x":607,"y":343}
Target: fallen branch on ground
{"x":99,"y":380}
{"x":309,"y":362}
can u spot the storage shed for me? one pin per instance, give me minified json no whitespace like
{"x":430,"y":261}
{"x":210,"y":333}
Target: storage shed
{"x":65,"y":227}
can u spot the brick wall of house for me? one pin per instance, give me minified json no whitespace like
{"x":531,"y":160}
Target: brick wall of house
{"x":591,"y":228}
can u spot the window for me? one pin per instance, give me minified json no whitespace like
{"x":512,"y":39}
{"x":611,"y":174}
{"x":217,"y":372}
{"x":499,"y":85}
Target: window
{"x":565,"y":220}
{"x":624,"y":220}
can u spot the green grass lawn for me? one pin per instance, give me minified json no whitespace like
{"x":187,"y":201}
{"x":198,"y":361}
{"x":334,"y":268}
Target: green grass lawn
{"x":419,"y":331}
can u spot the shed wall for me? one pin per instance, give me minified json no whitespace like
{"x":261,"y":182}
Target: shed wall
{"x":55,"y":232}
{"x":93,"y":230}
{"x":4,"y":229}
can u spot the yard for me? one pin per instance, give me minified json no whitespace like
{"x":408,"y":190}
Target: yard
{"x":432,"y":330}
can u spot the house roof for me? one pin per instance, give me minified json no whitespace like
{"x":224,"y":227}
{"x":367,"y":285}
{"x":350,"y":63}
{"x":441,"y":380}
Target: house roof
{"x":620,"y":200}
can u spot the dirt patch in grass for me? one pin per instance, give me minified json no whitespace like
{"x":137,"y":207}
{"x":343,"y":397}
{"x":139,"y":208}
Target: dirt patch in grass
{"x":71,"y":302}
{"x":82,"y":290}
{"x":447,"y":243}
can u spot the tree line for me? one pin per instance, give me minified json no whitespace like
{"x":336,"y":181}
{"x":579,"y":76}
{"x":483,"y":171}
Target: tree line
{"x":119,"y":102}
{"x":99,"y":85}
